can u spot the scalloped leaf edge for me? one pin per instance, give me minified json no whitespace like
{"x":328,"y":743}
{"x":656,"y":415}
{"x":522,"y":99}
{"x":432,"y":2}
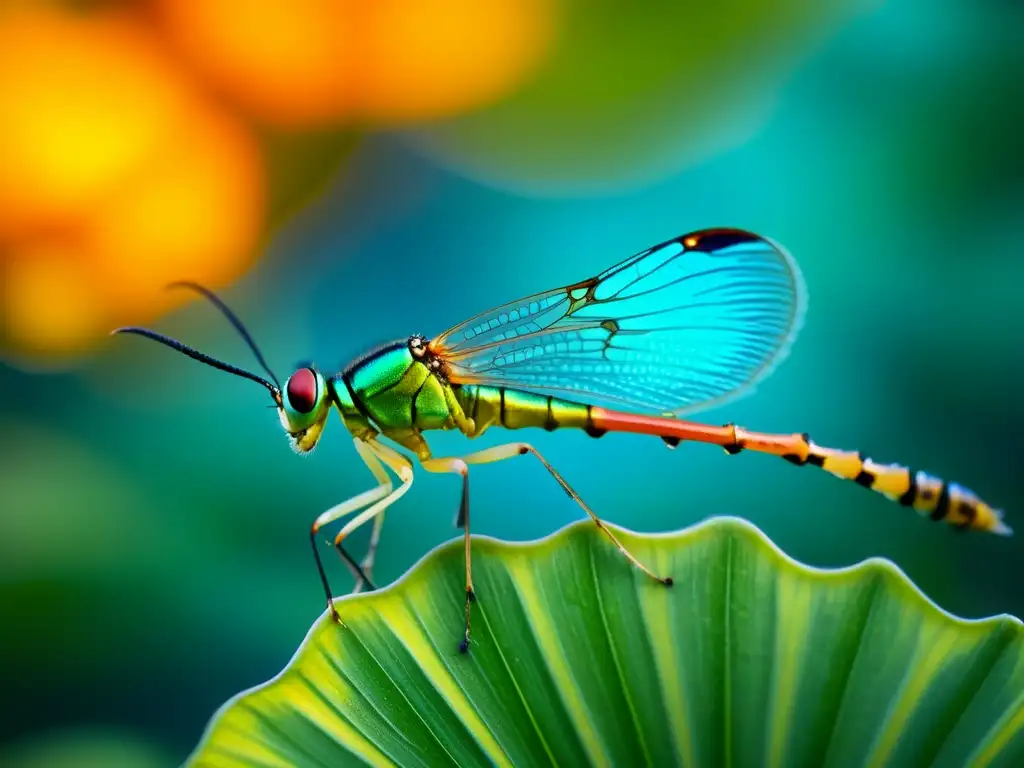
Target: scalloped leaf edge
{"x":879,"y":567}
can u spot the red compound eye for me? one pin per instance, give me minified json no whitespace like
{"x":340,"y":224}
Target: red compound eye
{"x":302,"y":390}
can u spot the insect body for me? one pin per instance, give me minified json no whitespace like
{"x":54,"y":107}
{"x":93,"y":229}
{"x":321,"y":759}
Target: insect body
{"x":688,"y":323}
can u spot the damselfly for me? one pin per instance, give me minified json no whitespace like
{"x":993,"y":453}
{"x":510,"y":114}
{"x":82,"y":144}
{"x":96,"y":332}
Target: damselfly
{"x":686,"y":324}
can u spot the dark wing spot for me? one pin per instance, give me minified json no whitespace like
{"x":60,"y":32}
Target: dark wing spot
{"x":612,"y":326}
{"x":710,"y":240}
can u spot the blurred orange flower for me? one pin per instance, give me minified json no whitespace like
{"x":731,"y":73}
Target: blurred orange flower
{"x":281,"y":60}
{"x":309,"y":63}
{"x":83,"y":101}
{"x":115,"y":177}
{"x":426,"y":59}
{"x":121,"y":171}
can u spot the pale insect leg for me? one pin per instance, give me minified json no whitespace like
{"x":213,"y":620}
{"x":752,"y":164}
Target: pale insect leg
{"x":363,"y":577}
{"x":370,"y":557}
{"x":502,"y":452}
{"x":350,"y":505}
{"x":458,"y":466}
{"x":402,"y":467}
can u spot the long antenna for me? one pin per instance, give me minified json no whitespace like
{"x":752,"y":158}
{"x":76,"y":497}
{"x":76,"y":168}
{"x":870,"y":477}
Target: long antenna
{"x":232,"y":318}
{"x":195,"y":354}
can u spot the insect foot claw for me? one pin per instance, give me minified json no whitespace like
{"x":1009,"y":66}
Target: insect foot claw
{"x":668,"y":581}
{"x":335,"y":617}
{"x":464,"y":645}
{"x":470,"y":595}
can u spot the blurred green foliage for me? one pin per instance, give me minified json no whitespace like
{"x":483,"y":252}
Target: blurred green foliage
{"x":628,"y":97}
{"x":85,"y":749}
{"x":154,"y":555}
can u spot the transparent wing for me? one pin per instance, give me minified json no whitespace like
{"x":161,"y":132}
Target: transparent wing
{"x":680,"y":326}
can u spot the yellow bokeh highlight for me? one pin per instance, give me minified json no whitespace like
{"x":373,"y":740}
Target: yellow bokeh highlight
{"x":192,"y":212}
{"x":428,"y":59}
{"x":117,"y":176}
{"x":311,"y":63}
{"x":83,"y":99}
{"x":49,"y":298}
{"x":281,"y":60}
{"x":126,"y":157}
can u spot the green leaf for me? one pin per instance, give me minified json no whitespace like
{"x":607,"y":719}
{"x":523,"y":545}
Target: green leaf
{"x":749,"y":659}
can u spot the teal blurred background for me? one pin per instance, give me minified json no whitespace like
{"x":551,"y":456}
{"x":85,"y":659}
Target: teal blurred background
{"x":154,"y":555}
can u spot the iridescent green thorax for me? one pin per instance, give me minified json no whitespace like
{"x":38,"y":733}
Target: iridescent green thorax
{"x":400,"y":391}
{"x":351,"y":416}
{"x":396,"y":391}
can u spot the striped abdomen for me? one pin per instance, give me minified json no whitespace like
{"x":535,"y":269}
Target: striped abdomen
{"x":939,"y":499}
{"x":936,"y":498}
{"x":514,"y":409}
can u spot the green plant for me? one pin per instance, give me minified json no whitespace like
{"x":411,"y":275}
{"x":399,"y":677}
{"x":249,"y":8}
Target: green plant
{"x":750,"y":659}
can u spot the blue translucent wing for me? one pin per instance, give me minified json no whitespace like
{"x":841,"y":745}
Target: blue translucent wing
{"x":680,"y":326}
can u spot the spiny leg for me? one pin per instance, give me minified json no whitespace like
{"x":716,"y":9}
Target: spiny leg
{"x":510,"y":450}
{"x":458,"y":466}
